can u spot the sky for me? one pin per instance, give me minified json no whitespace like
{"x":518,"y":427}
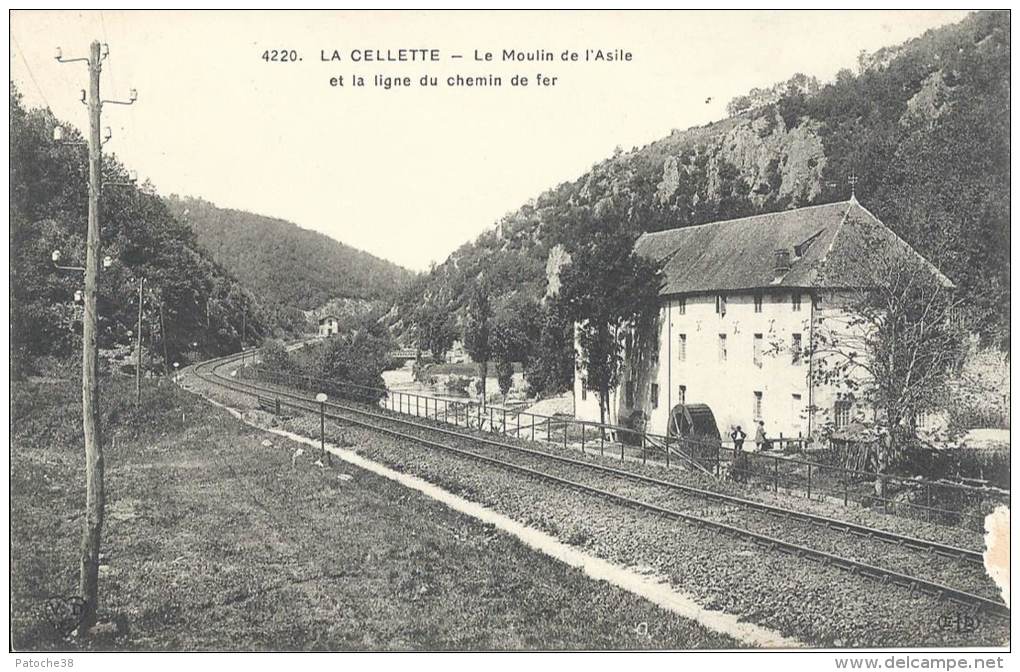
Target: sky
{"x":410,"y":174}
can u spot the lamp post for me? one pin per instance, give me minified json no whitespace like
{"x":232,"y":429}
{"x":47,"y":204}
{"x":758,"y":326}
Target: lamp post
{"x":321,"y":398}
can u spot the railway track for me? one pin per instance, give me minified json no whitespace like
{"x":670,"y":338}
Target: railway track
{"x":667,"y":499}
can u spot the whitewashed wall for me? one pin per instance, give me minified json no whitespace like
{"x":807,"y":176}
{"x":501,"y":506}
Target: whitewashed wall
{"x":726,"y":386}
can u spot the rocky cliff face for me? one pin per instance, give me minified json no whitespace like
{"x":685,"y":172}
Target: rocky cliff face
{"x":774,"y":161}
{"x":924,"y":125}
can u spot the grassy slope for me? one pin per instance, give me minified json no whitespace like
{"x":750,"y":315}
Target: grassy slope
{"x":214,"y":542}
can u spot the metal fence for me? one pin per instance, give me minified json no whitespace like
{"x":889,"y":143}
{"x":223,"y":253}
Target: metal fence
{"x":925,"y":499}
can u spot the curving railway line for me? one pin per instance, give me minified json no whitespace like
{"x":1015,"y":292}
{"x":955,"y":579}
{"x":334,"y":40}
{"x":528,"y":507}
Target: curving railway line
{"x":941,"y":570}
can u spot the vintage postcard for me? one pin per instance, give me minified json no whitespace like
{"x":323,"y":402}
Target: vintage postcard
{"x":511,"y":331}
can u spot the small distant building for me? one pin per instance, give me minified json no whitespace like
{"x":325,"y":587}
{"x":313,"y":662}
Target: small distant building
{"x":408,"y":354}
{"x":457,"y":354}
{"x":328,"y":326}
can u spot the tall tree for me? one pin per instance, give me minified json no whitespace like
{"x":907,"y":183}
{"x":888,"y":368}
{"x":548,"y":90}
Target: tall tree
{"x":892,"y":341}
{"x":477,"y":331}
{"x":434,"y":329}
{"x":605,"y":290}
{"x":514,"y":332}
{"x":550,"y":369}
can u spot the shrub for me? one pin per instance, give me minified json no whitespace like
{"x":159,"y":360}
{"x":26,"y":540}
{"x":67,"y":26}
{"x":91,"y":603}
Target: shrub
{"x":457,"y":385}
{"x":275,"y":356}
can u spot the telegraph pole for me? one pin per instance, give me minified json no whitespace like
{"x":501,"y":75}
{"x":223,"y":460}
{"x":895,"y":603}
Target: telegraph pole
{"x":95,"y":496}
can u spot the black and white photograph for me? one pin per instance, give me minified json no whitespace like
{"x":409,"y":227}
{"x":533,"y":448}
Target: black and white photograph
{"x":505,"y":331}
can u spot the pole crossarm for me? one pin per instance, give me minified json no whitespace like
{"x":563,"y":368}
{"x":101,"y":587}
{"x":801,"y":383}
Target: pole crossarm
{"x":60,"y":58}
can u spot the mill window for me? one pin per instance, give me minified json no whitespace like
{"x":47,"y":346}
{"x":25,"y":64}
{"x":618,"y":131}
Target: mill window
{"x":841,"y":410}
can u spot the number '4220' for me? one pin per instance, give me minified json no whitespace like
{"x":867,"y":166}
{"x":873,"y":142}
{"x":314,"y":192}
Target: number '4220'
{"x":280,"y":56}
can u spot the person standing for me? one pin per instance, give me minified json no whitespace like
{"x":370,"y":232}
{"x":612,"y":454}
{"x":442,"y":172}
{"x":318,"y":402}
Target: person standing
{"x":738,"y":435}
{"x":760,"y":439}
{"x":739,"y":459}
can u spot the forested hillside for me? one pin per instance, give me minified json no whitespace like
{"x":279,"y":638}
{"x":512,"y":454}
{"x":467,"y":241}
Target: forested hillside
{"x":192,"y":306}
{"x":924,"y":126}
{"x":285,"y":264}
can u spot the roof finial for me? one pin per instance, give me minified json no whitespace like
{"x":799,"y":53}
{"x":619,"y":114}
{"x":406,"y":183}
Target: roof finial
{"x":853,"y":186}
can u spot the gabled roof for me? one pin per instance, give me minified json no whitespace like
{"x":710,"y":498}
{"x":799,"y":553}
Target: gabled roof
{"x":323,"y":318}
{"x":824,"y":244}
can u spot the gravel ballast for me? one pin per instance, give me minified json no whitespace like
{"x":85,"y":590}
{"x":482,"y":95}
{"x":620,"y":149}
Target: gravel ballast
{"x":799,"y":598}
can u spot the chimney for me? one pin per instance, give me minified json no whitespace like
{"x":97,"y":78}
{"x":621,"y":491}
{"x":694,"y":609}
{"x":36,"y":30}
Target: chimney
{"x":782,"y":261}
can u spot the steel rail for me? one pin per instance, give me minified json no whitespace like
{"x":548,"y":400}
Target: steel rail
{"x":946,"y":550}
{"x":871,"y":533}
{"x":879,"y":574}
